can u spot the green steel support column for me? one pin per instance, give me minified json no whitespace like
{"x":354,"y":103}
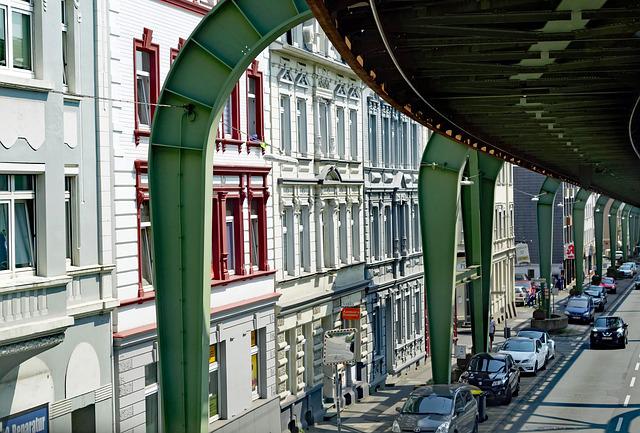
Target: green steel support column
{"x":477,"y":215}
{"x":578,"y":234}
{"x":636,"y":228}
{"x":210,"y":63}
{"x":489,"y":169}
{"x":441,"y":170}
{"x":613,"y":231}
{"x":470,"y":201}
{"x":598,"y":221}
{"x":545,"y":232}
{"x":625,"y":231}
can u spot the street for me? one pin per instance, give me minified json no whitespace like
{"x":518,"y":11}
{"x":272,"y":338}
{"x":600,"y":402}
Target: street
{"x":581,"y":390}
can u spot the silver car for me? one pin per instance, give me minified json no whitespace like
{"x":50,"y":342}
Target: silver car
{"x":439,"y":409}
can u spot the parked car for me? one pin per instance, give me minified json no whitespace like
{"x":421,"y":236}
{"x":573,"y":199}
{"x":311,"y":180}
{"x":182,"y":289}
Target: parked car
{"x":618,"y":255}
{"x":529,"y":355}
{"x":521,"y":295}
{"x":633,"y":266}
{"x":609,"y":283}
{"x":519,"y":276}
{"x":543,"y":336}
{"x":635,"y":284}
{"x":494,"y":373}
{"x":580,"y":308}
{"x":625,"y":271}
{"x":609,"y":330}
{"x":598,"y":295}
{"x":438,"y":408}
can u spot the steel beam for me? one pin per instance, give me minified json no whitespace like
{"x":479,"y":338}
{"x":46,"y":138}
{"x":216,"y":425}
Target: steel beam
{"x":545,"y":210}
{"x":613,"y":230}
{"x":441,"y":170}
{"x":181,"y":147}
{"x":578,"y":234}
{"x":626,"y":211}
{"x":598,"y":221}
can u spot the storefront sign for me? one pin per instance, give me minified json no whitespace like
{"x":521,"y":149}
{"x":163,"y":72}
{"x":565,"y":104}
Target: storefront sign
{"x":351,"y":313}
{"x":35,"y":420}
{"x":522,"y":254}
{"x":569,"y":251}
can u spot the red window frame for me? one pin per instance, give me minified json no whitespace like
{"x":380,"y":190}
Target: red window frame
{"x":235,"y":138}
{"x":243,"y":190}
{"x":173,"y":52}
{"x":254,"y":73}
{"x":146,"y":45}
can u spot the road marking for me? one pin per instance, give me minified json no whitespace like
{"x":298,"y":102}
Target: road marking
{"x":619,"y":425}
{"x":626,"y":400}
{"x":637,"y":366}
{"x":633,"y":382}
{"x":578,"y":338}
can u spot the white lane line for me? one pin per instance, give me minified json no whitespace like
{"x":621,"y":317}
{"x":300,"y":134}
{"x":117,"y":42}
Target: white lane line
{"x":633,"y":382}
{"x":619,"y":425}
{"x":578,"y":338}
{"x":626,"y":400}
{"x":637,"y":366}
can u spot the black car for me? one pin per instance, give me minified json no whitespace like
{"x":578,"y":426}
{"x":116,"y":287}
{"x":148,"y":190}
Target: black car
{"x":609,"y":330}
{"x":636,"y":282}
{"x":496,"y":374}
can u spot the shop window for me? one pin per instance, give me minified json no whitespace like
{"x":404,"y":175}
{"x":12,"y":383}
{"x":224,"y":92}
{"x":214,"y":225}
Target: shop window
{"x":255,"y":365}
{"x":214,"y":383}
{"x":16,"y":51}
{"x":17,"y":223}
{"x":301,"y":112}
{"x":147,"y":87}
{"x":255,"y":116}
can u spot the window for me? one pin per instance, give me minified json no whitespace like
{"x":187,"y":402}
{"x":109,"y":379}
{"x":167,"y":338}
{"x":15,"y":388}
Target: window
{"x":355,"y":231}
{"x":398,"y":322}
{"x":373,"y":149}
{"x":417,"y":304}
{"x":147,"y":88}
{"x":65,"y":41}
{"x":288,"y":241}
{"x":145,"y":246}
{"x":386,"y":141}
{"x":324,"y":127}
{"x":255,"y":122}
{"x":69,"y":216}
{"x":305,"y":236}
{"x":377,"y":337}
{"x":173,"y":52}
{"x":214,"y":383}
{"x":414,"y":146}
{"x":17,"y":222}
{"x":229,"y":128}
{"x":230,"y":234}
{"x":417,"y":236}
{"x":255,"y":233}
{"x":15,"y":26}
{"x":285,"y":124}
{"x":340,"y":126}
{"x":375,"y":233}
{"x":404,"y":148}
{"x":388,"y":232}
{"x":301,"y":112}
{"x":152,"y":413}
{"x":407,"y":315}
{"x":343,"y":234}
{"x":83,"y":420}
{"x":353,"y":134}
{"x":255,"y":365}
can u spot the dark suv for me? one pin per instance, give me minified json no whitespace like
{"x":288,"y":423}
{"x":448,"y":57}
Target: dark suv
{"x":609,"y":330}
{"x":494,"y":373}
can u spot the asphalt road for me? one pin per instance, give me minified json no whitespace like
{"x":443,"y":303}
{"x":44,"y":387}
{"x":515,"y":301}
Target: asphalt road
{"x":582,"y":390}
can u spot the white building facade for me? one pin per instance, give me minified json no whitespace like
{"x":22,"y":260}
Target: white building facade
{"x":56,"y":286}
{"x":316,"y":121}
{"x":139,"y":40}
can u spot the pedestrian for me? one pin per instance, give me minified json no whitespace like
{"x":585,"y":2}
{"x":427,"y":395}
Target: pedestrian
{"x":532,"y":296}
{"x":492,"y":332}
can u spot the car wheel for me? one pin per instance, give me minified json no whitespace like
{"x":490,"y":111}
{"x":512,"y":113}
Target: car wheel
{"x":624,"y":343}
{"x":475,"y":426}
{"x":517,"y":391}
{"x":535,"y":369}
{"x":508,"y":397}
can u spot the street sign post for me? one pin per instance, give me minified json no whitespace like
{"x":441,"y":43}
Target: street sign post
{"x":338,"y":348}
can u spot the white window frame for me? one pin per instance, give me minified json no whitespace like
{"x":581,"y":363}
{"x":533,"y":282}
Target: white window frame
{"x":286,"y":144}
{"x":353,"y":134}
{"x":341,"y":138}
{"x":301,"y":123}
{"x":150,"y":390}
{"x":305,"y":238}
{"x":25,"y":8}
{"x":70,"y":199}
{"x":10,"y":198}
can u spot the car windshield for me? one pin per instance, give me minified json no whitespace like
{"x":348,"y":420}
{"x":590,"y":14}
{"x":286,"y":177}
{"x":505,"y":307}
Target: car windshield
{"x":593,"y":292}
{"x":577,"y":303}
{"x":428,"y":405}
{"x":518,"y":346}
{"x":606,"y":322}
{"x":488,"y":365}
{"x":520,"y":277}
{"x":530,"y":334}
{"x":625,"y":267}
{"x":608,"y":280}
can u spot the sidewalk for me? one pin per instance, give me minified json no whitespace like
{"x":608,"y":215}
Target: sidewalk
{"x":375,"y":413}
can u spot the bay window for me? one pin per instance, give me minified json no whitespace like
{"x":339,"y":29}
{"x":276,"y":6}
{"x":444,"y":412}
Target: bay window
{"x":17,"y":222}
{"x":147,"y":87}
{"x":16,"y":31}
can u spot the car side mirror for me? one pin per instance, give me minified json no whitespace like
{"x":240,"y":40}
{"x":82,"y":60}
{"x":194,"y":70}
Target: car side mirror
{"x":626,"y":325}
{"x":398,"y":409}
